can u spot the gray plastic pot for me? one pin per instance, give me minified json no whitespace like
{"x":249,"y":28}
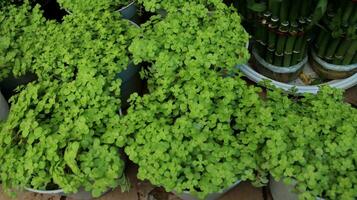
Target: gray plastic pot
{"x":4,"y":107}
{"x":280,"y":191}
{"x":313,"y":89}
{"x":129,"y":11}
{"x":213,"y":196}
{"x":80,"y":195}
{"x":131,"y":83}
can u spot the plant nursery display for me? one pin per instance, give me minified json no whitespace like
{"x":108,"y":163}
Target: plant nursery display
{"x":312,"y":144}
{"x":76,"y":6}
{"x":200,"y":128}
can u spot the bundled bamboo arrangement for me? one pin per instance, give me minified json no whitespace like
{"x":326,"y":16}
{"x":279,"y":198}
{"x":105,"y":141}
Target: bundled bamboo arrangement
{"x":281,"y":33}
{"x":336,"y":42}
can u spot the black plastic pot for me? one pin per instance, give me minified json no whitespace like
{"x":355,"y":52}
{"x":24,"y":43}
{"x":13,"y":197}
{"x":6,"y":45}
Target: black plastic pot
{"x":131,"y":83}
{"x":9,"y":84}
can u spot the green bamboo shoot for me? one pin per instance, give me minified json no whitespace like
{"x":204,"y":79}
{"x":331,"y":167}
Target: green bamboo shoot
{"x":270,"y":56}
{"x":324,"y":44}
{"x":331,"y":50}
{"x":278,"y":59}
{"x":350,"y":53}
{"x":341,"y":51}
{"x":287,"y":59}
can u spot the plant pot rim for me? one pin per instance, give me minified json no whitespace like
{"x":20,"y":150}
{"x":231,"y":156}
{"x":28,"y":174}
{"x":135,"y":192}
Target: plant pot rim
{"x":338,"y":68}
{"x":118,"y":10}
{"x":280,"y":69}
{"x":127,"y":6}
{"x":254,"y":76}
{"x":223,"y":191}
{"x":58,"y":191}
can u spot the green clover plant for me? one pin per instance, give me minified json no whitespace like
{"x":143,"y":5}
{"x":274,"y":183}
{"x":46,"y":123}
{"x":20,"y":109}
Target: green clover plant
{"x":52,"y":136}
{"x":313,"y":144}
{"x":19,"y":28}
{"x":210,"y":40}
{"x":186,"y":138}
{"x":56,"y":136}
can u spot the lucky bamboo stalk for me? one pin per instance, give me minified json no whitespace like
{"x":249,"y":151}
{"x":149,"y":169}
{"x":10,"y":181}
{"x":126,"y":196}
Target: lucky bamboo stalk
{"x":297,"y":50}
{"x":271,"y":39}
{"x":278,"y":59}
{"x":354,"y":61}
{"x":274,"y":7}
{"x":287,"y":59}
{"x":319,"y":39}
{"x":261,"y":39}
{"x":294,"y":16}
{"x":353,"y":18}
{"x":347,"y":12}
{"x":280,"y":45}
{"x":348,"y":58}
{"x":284,"y":12}
{"x":324,"y":44}
{"x":270,"y":55}
{"x":341,"y":51}
{"x":303,"y":50}
{"x":332,"y":47}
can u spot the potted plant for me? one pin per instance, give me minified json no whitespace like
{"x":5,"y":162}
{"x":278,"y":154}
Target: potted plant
{"x":311,"y":146}
{"x":183,"y":141}
{"x":67,"y":118}
{"x":186,"y":137}
{"x":334,"y":54}
{"x":126,"y":7}
{"x":193,"y":36}
{"x":281,"y":35}
{"x":52,"y":138}
{"x":19,"y":28}
{"x":99,"y":41}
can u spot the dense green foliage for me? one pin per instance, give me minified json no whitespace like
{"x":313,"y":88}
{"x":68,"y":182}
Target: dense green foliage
{"x":52,"y":138}
{"x":312,"y":143}
{"x":186,"y":138}
{"x":19,"y":25}
{"x":211,"y":41}
{"x":94,"y":6}
{"x":201,"y":127}
{"x":174,"y":5}
{"x":95,"y":41}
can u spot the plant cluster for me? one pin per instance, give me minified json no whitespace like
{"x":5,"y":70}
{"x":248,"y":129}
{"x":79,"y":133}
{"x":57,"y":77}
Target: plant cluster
{"x":53,"y":137}
{"x":211,"y":41}
{"x":94,"y":6}
{"x":312,"y":144}
{"x":337,"y":39}
{"x":184,"y":134}
{"x":19,"y":25}
{"x":186,"y":138}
